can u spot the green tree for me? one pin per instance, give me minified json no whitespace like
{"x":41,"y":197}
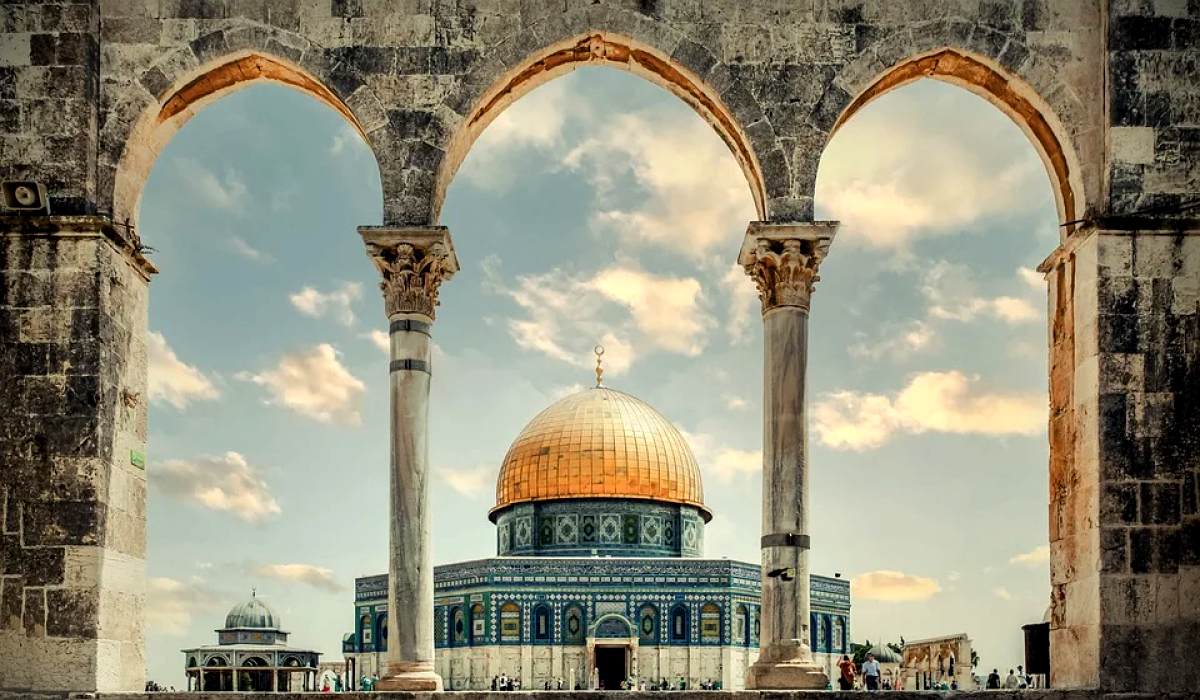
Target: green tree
{"x":974,"y":659}
{"x":898,"y":648}
{"x":858,"y":652}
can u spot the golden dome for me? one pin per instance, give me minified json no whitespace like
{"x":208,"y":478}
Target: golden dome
{"x":600,"y":443}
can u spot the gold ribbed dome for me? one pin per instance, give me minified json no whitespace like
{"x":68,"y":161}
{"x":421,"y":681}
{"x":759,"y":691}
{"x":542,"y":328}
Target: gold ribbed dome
{"x":600,"y":443}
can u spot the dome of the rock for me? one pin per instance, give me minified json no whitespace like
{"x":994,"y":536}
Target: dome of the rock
{"x":600,"y":443}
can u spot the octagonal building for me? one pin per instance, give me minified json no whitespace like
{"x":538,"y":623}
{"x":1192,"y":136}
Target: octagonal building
{"x":599,"y":576}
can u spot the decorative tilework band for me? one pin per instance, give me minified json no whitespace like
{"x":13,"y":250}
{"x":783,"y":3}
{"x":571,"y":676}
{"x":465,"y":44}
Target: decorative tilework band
{"x":409,"y":324}
{"x":786,"y":539}
{"x":414,"y":365}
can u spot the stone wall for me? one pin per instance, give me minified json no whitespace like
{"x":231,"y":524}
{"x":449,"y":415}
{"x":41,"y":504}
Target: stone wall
{"x":72,"y":422}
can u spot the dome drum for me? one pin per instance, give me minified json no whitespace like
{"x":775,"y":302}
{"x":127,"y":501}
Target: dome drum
{"x":609,"y":527}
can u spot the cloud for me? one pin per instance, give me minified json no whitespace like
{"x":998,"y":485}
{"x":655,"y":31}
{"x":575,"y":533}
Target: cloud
{"x":1033,"y":278}
{"x":244,"y":249}
{"x":945,"y":402}
{"x":171,"y":380}
{"x":471,"y":482}
{"x":627,"y":310}
{"x":892,"y":181}
{"x":1033,"y":558}
{"x":380,"y":340}
{"x":744,"y":304}
{"x":736,"y":403}
{"x":228,"y":193}
{"x":313,"y":383}
{"x":347,"y":141}
{"x":534,"y":122}
{"x":170,"y":604}
{"x":950,"y":290}
{"x":337,"y":303}
{"x":316,"y":576}
{"x":893,"y":586}
{"x":696,"y":197}
{"x":896,"y":342}
{"x":723,"y":462}
{"x":1002,"y":593}
{"x":227,"y":483}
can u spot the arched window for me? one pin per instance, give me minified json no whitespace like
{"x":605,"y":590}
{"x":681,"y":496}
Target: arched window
{"x":648,"y":624}
{"x":573,"y":630}
{"x":757,"y":623}
{"x":216,"y":661}
{"x":458,"y":626}
{"x":510,"y":622}
{"x":477,"y":624}
{"x":541,"y":624}
{"x":365,"y":629}
{"x":838,"y":646}
{"x":710,"y":623}
{"x":741,"y":625}
{"x":679,"y":623}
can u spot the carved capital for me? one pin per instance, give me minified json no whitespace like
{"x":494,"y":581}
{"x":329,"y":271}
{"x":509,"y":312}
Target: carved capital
{"x":783,"y":259}
{"x":414,"y":261}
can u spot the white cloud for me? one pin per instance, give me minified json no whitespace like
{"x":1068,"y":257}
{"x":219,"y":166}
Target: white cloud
{"x":337,"y":303}
{"x":1002,"y":593}
{"x":228,"y":193}
{"x":696,"y":197}
{"x":1033,"y":558}
{"x":171,"y":380}
{"x":945,"y":402}
{"x":744,"y":304}
{"x":896,"y":342}
{"x":244,"y":249}
{"x":1033,"y":278}
{"x":736,"y":403}
{"x":347,"y":141}
{"x":308,"y":574}
{"x":953,"y":576}
{"x":723,"y":462}
{"x":313,"y":383}
{"x":892,"y":181}
{"x":627,"y":310}
{"x":227,"y":483}
{"x":559,"y":392}
{"x":533,"y":122}
{"x":471,"y":482}
{"x":380,"y":340}
{"x":170,"y":604}
{"x":893,"y":586}
{"x":950,"y":291}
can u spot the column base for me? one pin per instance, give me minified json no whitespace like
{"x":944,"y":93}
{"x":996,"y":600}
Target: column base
{"x":405,"y":677}
{"x":786,"y":667}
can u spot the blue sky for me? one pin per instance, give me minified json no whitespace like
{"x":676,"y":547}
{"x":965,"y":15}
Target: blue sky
{"x":599,"y":208}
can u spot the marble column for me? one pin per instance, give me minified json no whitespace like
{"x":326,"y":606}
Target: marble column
{"x":782,"y":259}
{"x":414,"y":261}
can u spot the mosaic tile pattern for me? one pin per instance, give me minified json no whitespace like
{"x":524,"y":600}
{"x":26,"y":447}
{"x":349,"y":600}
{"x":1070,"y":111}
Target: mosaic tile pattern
{"x":599,"y":443}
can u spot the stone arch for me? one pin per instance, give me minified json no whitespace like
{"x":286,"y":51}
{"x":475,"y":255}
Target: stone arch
{"x":487,"y":92}
{"x":180,"y":84}
{"x":987,"y":74}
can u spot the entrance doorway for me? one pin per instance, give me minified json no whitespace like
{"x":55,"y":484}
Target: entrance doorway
{"x":610,"y":666}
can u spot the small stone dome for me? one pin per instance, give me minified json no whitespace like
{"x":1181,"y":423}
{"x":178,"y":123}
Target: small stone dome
{"x":252,"y":614}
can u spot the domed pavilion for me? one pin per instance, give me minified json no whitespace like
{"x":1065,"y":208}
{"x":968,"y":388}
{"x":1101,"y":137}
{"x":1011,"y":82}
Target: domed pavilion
{"x":599,"y":576}
{"x":251,"y":654}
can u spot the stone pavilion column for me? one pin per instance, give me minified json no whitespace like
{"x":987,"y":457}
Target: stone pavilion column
{"x":414,"y":261}
{"x":782,"y":259}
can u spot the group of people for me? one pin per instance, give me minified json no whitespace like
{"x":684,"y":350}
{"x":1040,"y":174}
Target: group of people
{"x":872,"y":674}
{"x":1014,"y":681}
{"x":503,"y":682}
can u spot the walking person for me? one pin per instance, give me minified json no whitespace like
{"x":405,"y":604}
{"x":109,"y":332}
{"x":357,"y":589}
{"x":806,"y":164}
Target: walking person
{"x":871,"y":672}
{"x":846,"y":679}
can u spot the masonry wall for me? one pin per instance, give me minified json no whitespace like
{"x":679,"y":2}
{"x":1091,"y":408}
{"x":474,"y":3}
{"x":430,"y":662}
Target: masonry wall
{"x":72,"y":411}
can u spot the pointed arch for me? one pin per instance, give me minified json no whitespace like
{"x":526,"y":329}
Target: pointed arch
{"x":989,"y":79}
{"x":599,"y":48}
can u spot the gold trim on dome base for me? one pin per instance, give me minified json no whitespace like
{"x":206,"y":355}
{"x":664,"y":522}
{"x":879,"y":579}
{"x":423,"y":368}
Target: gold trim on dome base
{"x":599,"y":443}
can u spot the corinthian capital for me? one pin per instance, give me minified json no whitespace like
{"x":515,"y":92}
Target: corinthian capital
{"x":414,"y":261}
{"x":782,"y":259}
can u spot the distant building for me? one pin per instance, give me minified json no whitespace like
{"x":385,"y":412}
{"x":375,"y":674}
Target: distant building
{"x":927,"y":662}
{"x":599,"y":577}
{"x":251,"y":654}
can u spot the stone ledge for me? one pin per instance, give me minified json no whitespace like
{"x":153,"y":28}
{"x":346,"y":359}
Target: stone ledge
{"x":612,"y":695}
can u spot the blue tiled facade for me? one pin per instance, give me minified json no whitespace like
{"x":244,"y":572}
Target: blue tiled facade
{"x":606,"y":527}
